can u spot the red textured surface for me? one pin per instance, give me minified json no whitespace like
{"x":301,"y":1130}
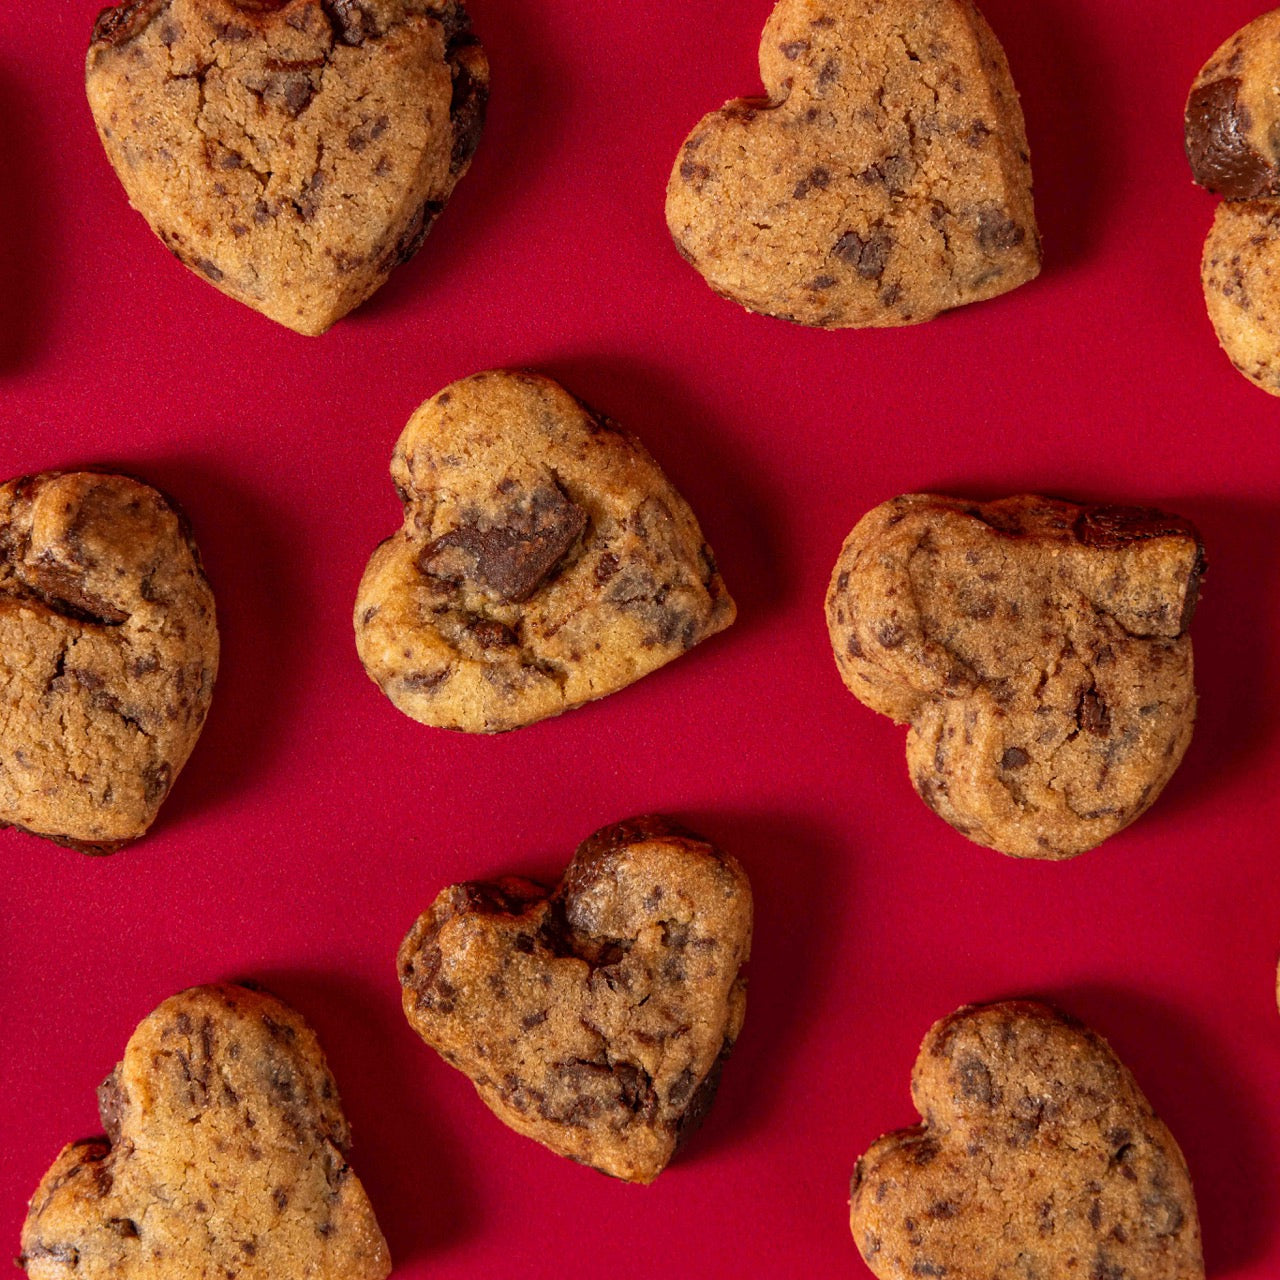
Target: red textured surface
{"x":313,"y":821}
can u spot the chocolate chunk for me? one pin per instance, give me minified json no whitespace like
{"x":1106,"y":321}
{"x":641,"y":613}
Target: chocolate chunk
{"x":512,"y":556}
{"x":996,"y":230}
{"x":1217,"y":138}
{"x":467,"y":110}
{"x":119,"y":25}
{"x":867,"y":255}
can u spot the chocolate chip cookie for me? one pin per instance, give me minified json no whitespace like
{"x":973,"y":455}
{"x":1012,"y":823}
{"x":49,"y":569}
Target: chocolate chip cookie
{"x":108,"y":655}
{"x":225,"y":1155}
{"x":291,"y":152}
{"x":1039,"y":1158}
{"x":1240,"y":273}
{"x":544,"y":561}
{"x":1233,"y":143}
{"x":885,"y":178}
{"x":1039,"y":652}
{"x":593,"y":1018}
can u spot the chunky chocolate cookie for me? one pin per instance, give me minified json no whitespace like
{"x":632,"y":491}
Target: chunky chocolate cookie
{"x":884,"y":179}
{"x":1039,"y":1158}
{"x":1233,"y":114}
{"x":108,"y":654}
{"x":595,"y":1018}
{"x":292,"y":152}
{"x":1233,"y":143}
{"x":1038,"y":650}
{"x":225,"y":1155}
{"x":544,"y":561}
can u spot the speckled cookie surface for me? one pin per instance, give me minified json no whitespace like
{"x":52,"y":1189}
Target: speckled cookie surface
{"x":884,"y":179}
{"x":1240,"y":273}
{"x":1233,"y":114}
{"x":108,"y":655}
{"x":291,"y":152}
{"x":595,"y":1018}
{"x":1039,"y":1159}
{"x":1038,"y":650}
{"x":225,"y":1155}
{"x":544,"y":561}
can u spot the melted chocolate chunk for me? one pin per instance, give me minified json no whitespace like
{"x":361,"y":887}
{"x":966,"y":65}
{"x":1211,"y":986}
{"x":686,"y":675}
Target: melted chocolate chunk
{"x":1217,"y":136}
{"x":512,"y":556}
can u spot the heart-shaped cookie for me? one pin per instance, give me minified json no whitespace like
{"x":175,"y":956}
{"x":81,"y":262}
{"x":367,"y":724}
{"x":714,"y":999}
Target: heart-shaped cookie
{"x":1233,"y":143}
{"x":1039,"y":1159}
{"x":292,"y":152}
{"x":108,"y":655}
{"x":1037,"y":648}
{"x":544,"y":561}
{"x":884,"y":179}
{"x":225,"y":1155}
{"x":595,"y":1018}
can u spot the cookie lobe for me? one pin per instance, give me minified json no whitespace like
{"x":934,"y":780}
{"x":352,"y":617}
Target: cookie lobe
{"x":1233,"y":118}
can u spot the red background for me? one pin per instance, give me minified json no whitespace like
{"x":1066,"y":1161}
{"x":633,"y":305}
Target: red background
{"x":314,"y":822}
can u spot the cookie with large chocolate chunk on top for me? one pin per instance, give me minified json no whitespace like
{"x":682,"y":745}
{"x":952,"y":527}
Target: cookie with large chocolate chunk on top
{"x":108,"y":655}
{"x":1039,"y":1157}
{"x":1233,"y":114}
{"x":1039,"y":651}
{"x":544,"y":561}
{"x":291,"y":152}
{"x":595,"y":1018}
{"x":884,"y":179}
{"x":225,"y":1155}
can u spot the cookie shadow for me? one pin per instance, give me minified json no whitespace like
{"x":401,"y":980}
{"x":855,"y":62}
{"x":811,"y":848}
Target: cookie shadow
{"x":1054,"y":62}
{"x":801,"y":885}
{"x":25,"y":220}
{"x":1195,"y":1094}
{"x":726,"y":489}
{"x":415,"y":1176}
{"x":526,"y":116}
{"x":252,"y":554}
{"x":1236,"y":643}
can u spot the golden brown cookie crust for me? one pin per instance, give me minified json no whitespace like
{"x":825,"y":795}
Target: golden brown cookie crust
{"x":885,"y":178}
{"x":225,"y":1155}
{"x":1039,"y":1157}
{"x":1037,"y":648}
{"x":291,"y":152}
{"x":1240,"y":273}
{"x":544,"y":561}
{"x":595,"y":1018}
{"x":108,"y":655}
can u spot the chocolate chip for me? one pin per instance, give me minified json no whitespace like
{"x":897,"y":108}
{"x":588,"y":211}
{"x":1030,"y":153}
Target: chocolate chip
{"x":1218,"y":147}
{"x":112,"y":1101}
{"x":1014,"y":758}
{"x":467,"y":111}
{"x":125,"y":22}
{"x":974,"y":1079}
{"x":512,"y":553}
{"x":996,"y":230}
{"x":1092,"y":715}
{"x":793,"y":49}
{"x":867,"y":255}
